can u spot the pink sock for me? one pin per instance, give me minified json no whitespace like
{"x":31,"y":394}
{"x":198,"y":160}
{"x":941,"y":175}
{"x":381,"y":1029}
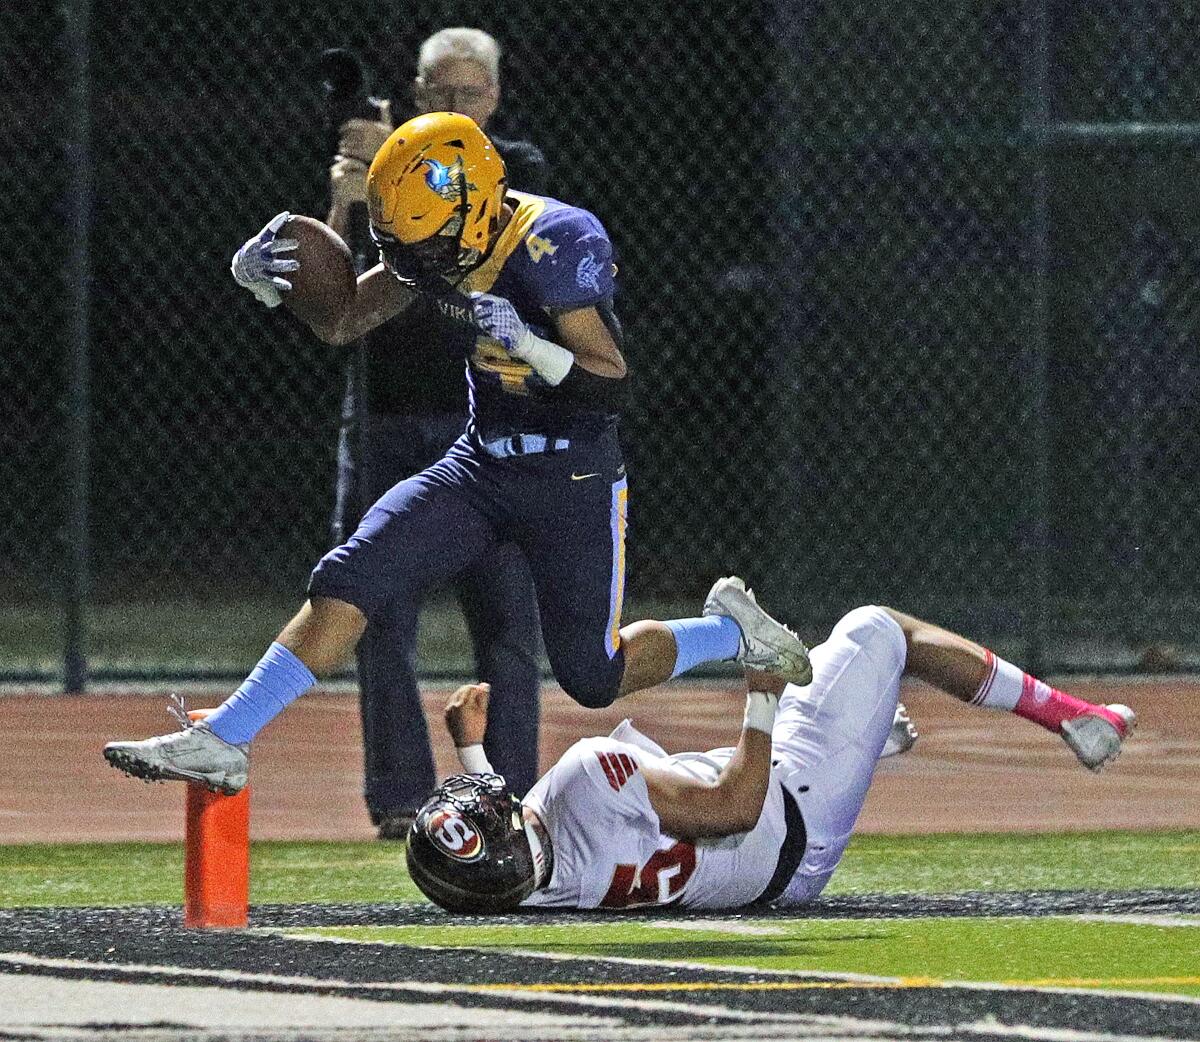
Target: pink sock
{"x":1008,"y":687}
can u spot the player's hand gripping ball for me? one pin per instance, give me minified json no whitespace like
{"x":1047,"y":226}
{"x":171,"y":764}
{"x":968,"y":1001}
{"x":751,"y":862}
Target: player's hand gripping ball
{"x":260,"y":266}
{"x":319,"y":270}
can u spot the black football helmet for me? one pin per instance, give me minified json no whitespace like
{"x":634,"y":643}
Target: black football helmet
{"x":468,"y":849}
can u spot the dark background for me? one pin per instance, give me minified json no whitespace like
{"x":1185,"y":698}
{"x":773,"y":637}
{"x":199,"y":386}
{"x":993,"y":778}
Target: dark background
{"x":827,"y":224}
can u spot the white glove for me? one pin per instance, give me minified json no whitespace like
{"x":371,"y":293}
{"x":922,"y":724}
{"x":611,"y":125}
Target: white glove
{"x":258,"y":267}
{"x":496,"y":317}
{"x":499,"y":320}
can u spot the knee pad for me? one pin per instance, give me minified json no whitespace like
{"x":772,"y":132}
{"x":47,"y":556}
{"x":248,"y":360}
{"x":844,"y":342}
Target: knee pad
{"x":872,"y":627}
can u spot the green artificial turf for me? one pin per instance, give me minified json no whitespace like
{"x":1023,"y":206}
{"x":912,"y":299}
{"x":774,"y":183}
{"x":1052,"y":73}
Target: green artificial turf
{"x":108,"y":874}
{"x":1052,"y":861}
{"x":151,"y":873}
{"x":1045,"y":952}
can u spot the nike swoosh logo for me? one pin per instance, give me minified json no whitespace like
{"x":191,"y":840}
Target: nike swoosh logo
{"x":580,"y":477}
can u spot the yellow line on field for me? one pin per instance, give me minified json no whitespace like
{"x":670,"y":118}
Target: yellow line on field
{"x":839,"y":985}
{"x":907,"y":982}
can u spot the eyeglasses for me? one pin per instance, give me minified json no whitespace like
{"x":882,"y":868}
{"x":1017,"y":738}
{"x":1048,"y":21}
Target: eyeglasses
{"x":446,"y":95}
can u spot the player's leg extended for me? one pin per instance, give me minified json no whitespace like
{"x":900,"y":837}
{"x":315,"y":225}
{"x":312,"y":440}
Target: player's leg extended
{"x":576,"y":555}
{"x":973,"y":674}
{"x":501,"y":610}
{"x":422,"y":531}
{"x":828,"y":736}
{"x":733,"y":628}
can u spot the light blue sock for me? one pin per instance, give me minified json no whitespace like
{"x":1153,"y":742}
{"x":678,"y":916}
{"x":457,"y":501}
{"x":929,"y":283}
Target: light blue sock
{"x":277,"y":681}
{"x":714,"y":638}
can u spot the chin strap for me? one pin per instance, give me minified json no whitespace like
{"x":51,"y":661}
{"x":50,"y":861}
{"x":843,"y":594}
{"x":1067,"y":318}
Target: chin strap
{"x":539,"y":854}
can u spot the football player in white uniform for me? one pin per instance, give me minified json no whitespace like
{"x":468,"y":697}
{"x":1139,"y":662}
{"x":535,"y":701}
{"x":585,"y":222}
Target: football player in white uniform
{"x":617,"y":823}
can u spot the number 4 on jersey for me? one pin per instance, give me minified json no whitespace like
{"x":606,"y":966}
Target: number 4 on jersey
{"x":539,"y":247}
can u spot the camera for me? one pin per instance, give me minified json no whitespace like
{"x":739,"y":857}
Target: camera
{"x":347,"y":92}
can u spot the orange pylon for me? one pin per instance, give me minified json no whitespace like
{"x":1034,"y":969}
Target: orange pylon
{"x":216,"y":871}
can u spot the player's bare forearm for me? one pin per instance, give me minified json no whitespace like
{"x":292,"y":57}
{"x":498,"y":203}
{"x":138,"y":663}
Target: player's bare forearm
{"x":691,"y":809}
{"x":584,"y":333}
{"x":377,"y":298}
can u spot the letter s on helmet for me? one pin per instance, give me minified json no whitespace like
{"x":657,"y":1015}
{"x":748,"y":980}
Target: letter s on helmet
{"x":435,"y":191}
{"x":468,"y":848}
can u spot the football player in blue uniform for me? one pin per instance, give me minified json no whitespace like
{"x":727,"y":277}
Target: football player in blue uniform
{"x":539,"y":465}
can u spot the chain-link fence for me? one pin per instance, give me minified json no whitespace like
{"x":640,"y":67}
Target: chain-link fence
{"x":909,"y":292}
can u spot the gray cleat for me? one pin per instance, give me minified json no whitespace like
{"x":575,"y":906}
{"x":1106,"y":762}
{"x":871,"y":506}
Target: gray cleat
{"x":1095,"y":740}
{"x":903,"y":735}
{"x":766,"y":645}
{"x":194,"y":754}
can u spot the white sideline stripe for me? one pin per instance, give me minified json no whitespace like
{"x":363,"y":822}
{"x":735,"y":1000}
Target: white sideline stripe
{"x":984,"y":1027}
{"x":719,"y":926}
{"x":59,"y":1006}
{"x":989,"y":1027}
{"x":714,"y":967}
{"x":1134,"y":919}
{"x":849,"y":1025}
{"x":417,"y":987}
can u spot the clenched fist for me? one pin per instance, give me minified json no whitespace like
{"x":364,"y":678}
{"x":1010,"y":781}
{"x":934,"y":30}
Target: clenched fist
{"x":466,"y":714}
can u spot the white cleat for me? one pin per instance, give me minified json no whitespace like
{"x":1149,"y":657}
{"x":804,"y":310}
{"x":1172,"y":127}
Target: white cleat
{"x":194,"y":754}
{"x":766,"y":645}
{"x":903,"y":735}
{"x":1095,"y":739}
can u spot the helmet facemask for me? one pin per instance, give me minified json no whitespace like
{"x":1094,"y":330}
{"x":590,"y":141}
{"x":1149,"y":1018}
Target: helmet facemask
{"x":443,"y":258}
{"x":469,"y":848}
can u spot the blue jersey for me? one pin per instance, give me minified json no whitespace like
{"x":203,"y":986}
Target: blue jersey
{"x":550,"y":258}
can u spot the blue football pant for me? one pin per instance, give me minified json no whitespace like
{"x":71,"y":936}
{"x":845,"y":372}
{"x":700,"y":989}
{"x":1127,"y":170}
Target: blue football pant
{"x":566,"y":511}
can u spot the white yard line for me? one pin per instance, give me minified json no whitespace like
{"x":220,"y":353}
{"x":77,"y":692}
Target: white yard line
{"x":589,"y":1002}
{"x":28,"y":1000}
{"x":65,"y":1002}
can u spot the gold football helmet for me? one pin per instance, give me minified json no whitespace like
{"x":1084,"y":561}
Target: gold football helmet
{"x":435,"y":191}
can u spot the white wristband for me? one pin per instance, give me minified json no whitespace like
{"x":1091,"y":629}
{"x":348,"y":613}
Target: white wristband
{"x":760,"y":711}
{"x":550,"y":361}
{"x":474,"y":759}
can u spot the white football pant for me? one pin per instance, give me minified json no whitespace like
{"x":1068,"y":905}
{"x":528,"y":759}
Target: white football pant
{"x":828,"y":736}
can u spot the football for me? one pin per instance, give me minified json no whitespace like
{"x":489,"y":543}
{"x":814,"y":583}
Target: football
{"x":324,"y":283}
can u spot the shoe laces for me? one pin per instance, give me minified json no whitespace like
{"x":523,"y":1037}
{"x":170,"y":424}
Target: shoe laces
{"x":177,"y":707}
